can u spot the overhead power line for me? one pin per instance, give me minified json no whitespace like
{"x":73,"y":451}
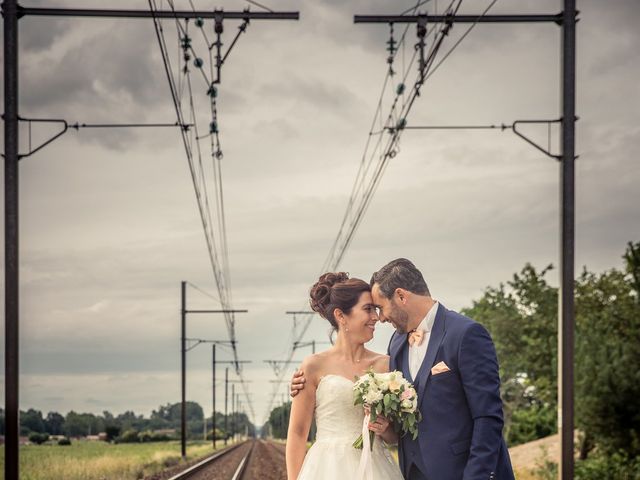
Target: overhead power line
{"x":378,"y":148}
{"x":206,"y":177}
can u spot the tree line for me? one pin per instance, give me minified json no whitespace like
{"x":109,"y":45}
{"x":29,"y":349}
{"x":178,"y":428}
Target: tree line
{"x":128,"y":426}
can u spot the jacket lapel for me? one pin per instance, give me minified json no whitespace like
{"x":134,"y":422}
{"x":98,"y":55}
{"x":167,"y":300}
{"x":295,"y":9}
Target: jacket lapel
{"x":406,"y":372}
{"x":395,"y":349}
{"x":435,"y":340}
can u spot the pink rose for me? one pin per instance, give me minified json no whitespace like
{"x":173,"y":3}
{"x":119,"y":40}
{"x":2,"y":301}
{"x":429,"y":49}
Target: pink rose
{"x":406,"y":395}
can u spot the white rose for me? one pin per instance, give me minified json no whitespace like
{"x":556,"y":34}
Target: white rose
{"x":382,"y":382}
{"x":373,"y":396}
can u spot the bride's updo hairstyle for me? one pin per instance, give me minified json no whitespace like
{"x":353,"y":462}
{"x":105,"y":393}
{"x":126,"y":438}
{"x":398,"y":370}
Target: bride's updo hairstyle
{"x":336,"y":290}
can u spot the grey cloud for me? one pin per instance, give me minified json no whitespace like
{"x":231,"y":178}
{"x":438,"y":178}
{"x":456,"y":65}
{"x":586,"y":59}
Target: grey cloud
{"x":108,"y":235}
{"x":321,"y":96}
{"x":41,"y":33}
{"x":67,"y":361}
{"x":119,"y":62}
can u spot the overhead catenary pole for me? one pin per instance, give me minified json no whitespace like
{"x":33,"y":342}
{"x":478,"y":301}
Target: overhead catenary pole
{"x":567,"y":20}
{"x":183,"y":362}
{"x":213,"y":383}
{"x":11,"y":353}
{"x":183,"y":356}
{"x":233,"y":411}
{"x":226,"y":399}
{"x":11,"y":13}
{"x":567,"y":251}
{"x":227,"y":381}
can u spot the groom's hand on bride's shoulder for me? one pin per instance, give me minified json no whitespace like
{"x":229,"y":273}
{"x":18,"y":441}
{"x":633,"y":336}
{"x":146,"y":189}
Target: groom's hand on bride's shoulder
{"x":297,"y":382}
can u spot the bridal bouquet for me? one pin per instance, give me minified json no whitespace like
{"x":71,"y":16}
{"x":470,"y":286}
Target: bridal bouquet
{"x":390,"y":395}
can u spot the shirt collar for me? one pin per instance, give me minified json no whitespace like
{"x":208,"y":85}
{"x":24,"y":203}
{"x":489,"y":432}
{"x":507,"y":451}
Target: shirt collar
{"x":427,"y":322}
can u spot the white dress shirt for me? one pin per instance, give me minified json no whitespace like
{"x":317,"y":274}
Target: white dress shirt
{"x":418,"y":352}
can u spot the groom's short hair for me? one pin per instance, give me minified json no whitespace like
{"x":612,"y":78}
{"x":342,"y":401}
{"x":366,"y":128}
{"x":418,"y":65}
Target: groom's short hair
{"x":400,"y":273}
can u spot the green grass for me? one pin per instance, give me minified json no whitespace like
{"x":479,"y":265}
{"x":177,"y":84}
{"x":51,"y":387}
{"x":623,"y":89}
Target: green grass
{"x":101,"y":461}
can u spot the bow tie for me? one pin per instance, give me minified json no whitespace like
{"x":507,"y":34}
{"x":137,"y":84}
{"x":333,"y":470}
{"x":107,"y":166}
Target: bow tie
{"x":416,"y":337}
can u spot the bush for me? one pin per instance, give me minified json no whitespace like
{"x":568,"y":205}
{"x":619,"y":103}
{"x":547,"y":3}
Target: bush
{"x":527,"y":424}
{"x":38,"y":438}
{"x":617,"y":465}
{"x":112,"y":432}
{"x":64,"y":441}
{"x":130,"y":436}
{"x":160,"y":437}
{"x":219,"y":434}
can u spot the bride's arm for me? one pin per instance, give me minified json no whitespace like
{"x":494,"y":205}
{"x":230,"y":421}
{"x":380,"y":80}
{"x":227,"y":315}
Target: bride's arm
{"x":302,"y":407}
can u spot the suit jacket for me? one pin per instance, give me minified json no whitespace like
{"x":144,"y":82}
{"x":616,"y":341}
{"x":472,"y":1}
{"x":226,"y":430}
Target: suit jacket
{"x":460,"y":435}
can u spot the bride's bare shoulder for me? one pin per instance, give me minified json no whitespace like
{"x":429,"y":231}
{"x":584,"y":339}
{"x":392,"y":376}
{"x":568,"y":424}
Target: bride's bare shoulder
{"x":380,"y":362}
{"x":314,"y":365}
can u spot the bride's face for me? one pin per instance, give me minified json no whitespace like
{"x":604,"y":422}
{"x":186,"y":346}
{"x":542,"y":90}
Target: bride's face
{"x":360,"y":323}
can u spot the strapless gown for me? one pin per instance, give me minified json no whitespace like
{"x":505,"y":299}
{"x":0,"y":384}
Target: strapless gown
{"x":339,"y":422}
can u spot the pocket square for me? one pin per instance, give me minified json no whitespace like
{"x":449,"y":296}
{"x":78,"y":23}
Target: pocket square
{"x":440,"y":367}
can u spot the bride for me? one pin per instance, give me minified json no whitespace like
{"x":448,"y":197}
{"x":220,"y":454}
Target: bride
{"x":347,"y":304}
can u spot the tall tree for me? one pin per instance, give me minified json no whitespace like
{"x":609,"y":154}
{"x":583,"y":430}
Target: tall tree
{"x":608,"y":355}
{"x":522,"y":319}
{"x":54,"y":423}
{"x":32,"y":420}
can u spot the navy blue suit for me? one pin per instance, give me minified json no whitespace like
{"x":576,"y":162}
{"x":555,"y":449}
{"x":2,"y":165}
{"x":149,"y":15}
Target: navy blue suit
{"x":460,"y":435}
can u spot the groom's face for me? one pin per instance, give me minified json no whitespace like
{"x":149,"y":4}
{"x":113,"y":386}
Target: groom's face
{"x":390,"y":311}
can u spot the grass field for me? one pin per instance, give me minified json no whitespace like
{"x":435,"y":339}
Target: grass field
{"x":100,"y":461}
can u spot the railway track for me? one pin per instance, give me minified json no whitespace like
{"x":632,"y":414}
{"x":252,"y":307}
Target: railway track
{"x":253,"y":459}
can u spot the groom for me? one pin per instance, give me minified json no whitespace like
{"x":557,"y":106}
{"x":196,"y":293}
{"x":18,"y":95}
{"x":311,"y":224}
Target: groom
{"x":452,"y":362}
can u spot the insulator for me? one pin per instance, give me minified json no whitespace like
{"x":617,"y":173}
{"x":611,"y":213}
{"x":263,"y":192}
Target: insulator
{"x":199,"y":22}
{"x":400,"y":89}
{"x":213,"y":91}
{"x":198,"y":62}
{"x":186,"y":42}
{"x":213,"y":127}
{"x":401,"y":123}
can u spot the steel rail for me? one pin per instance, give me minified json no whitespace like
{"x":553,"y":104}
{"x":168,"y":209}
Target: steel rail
{"x":189,"y":472}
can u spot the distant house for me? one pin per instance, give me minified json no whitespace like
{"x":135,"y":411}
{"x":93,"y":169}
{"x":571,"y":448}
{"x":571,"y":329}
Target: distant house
{"x":101,"y":437}
{"x":166,"y":431}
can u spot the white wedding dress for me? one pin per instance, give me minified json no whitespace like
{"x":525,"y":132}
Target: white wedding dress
{"x":339,"y":422}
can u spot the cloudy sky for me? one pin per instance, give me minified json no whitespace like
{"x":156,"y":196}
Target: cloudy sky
{"x":109,"y":223}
